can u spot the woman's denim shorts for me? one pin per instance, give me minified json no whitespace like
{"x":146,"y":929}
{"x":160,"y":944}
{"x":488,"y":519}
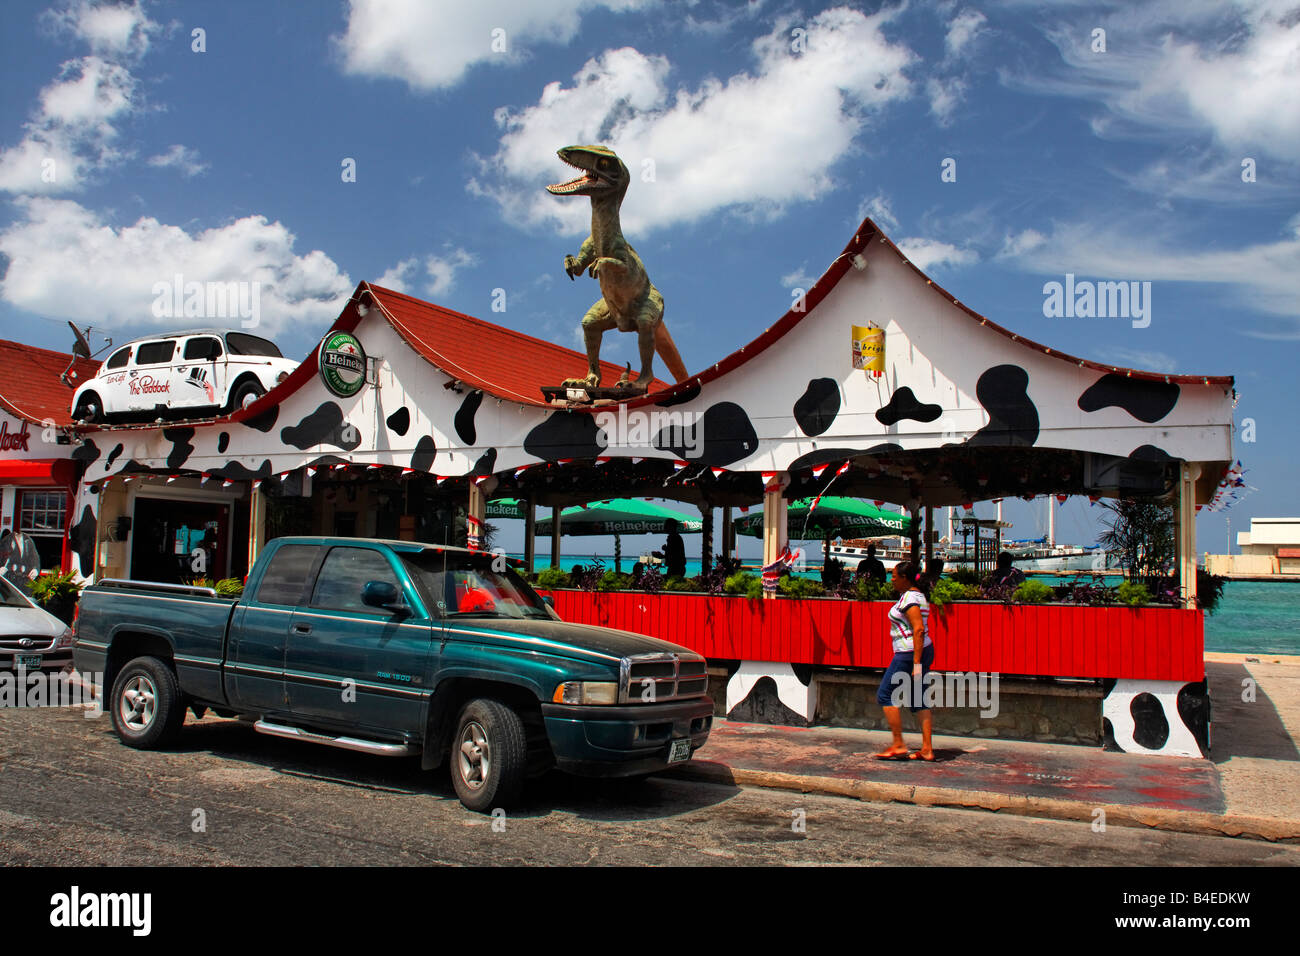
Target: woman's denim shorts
{"x":898,"y":691}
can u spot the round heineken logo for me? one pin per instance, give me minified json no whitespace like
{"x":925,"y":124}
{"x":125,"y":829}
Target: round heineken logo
{"x":342,"y":364}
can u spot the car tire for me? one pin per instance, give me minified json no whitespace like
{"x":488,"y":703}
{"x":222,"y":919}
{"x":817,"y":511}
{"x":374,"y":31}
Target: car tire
{"x":246,"y":391}
{"x":489,"y":755}
{"x":90,"y":409}
{"x":146,"y":704}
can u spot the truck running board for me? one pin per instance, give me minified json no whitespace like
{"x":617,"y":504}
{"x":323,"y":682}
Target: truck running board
{"x":343,"y":743}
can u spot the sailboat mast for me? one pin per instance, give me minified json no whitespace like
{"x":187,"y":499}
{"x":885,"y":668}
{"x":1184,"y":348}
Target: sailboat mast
{"x":1051,"y":521}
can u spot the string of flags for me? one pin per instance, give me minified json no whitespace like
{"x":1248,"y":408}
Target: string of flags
{"x":1232,"y":488}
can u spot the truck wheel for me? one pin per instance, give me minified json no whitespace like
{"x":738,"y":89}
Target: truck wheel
{"x":489,"y":755}
{"x":146,"y":703}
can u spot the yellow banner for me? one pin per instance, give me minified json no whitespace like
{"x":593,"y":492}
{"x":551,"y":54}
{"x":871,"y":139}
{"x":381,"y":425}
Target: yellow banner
{"x":869,"y":348}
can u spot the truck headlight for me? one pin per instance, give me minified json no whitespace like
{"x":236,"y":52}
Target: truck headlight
{"x":586,"y":692}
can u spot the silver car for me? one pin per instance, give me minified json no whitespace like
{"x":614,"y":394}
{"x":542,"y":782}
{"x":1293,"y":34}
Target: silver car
{"x":30,"y":638}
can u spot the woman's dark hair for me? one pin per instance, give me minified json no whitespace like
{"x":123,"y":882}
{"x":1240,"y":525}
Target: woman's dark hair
{"x":910,"y":573}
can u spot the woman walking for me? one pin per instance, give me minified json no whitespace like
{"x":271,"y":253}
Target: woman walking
{"x":903,"y":683}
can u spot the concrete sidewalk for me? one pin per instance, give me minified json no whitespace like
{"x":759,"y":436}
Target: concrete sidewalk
{"x":1249,"y":786}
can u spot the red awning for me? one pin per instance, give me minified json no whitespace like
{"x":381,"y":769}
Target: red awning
{"x":37,"y":471}
{"x":1288,"y":552}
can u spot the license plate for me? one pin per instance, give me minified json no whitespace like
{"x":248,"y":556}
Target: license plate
{"x":679,"y":750}
{"x":33,"y":661}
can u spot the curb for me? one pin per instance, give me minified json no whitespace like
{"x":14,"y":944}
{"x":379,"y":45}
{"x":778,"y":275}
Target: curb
{"x":1157,"y":818}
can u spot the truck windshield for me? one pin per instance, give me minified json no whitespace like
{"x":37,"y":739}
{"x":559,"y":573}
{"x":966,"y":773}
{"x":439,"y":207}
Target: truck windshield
{"x":463,"y":585}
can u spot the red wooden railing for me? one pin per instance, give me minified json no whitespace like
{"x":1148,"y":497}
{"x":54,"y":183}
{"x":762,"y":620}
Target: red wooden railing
{"x":1041,"y":640}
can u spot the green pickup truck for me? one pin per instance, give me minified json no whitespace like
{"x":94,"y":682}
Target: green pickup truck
{"x":396,"y":648}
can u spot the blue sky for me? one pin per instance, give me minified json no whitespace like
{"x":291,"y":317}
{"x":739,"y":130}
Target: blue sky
{"x":770,"y":129}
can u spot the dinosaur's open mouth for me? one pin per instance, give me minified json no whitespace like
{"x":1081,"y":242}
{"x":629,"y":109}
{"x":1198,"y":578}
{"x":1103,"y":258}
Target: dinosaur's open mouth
{"x":588,"y":178}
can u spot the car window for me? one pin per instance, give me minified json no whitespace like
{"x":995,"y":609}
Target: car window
{"x":155,"y":353}
{"x":344,"y":573}
{"x":203,"y":350}
{"x":286,"y":577}
{"x":119,"y":358}
{"x":9,"y":596}
{"x":240,"y":343}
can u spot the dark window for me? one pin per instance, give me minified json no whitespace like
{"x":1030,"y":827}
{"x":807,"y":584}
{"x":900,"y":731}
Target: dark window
{"x":343,"y":575}
{"x":42,"y":514}
{"x":155,"y":353}
{"x":119,"y":358}
{"x":202,"y":350}
{"x":286,"y":577}
{"x":240,"y":343}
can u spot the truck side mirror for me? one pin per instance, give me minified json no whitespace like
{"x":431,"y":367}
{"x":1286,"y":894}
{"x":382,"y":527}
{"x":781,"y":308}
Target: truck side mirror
{"x":383,"y":594}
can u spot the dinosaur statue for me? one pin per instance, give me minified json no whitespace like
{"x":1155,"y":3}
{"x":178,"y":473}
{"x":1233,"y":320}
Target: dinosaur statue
{"x":627,"y":299}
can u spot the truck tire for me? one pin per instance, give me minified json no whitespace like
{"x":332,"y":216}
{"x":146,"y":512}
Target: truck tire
{"x":146,"y":704}
{"x":489,"y":755}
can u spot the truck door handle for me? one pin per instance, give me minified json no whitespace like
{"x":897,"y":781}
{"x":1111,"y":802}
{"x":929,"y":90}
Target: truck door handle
{"x":302,"y":628}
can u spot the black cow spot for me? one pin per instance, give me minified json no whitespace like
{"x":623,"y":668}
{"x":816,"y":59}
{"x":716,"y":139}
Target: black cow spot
{"x":400,"y":420}
{"x":723,"y":435}
{"x":326,"y":461}
{"x":133,"y":467}
{"x":112,"y":456}
{"x":464,"y":420}
{"x":263,"y":421}
{"x":1013,"y":418}
{"x":566,"y":435}
{"x":325,"y":426}
{"x":1144,"y":399}
{"x":82,"y":539}
{"x":486,"y":463}
{"x":681,"y":398}
{"x":817,"y":407}
{"x":425,"y":451}
{"x":87,"y":453}
{"x":762,"y":705}
{"x":235,"y":471}
{"x":824,"y":456}
{"x":1194,"y":712}
{"x":1150,"y":726}
{"x":884,"y":448}
{"x":903,"y":404}
{"x":1150,"y":453}
{"x":181,"y":447}
{"x":223,"y":442}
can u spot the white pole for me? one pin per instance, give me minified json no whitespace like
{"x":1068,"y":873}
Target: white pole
{"x":1051,"y":521}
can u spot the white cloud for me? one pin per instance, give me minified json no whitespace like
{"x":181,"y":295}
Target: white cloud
{"x":1136,"y":358}
{"x":931,"y":253}
{"x":753,"y":142}
{"x":440,"y":271}
{"x":66,"y":262}
{"x":114,"y":30}
{"x":1266,"y":274}
{"x":945,"y":96}
{"x":963,"y":28}
{"x":799,"y":278}
{"x":432,"y":43}
{"x":182,"y":158}
{"x":880,"y":211}
{"x":73,"y":129}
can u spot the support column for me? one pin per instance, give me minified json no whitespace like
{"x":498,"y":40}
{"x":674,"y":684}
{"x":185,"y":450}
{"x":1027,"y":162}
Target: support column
{"x":1188,"y":473}
{"x":256,"y":524}
{"x":929,"y":536}
{"x":728,"y":535}
{"x":555,"y":535}
{"x":706,"y":539}
{"x":474,"y":516}
{"x":775,"y":515}
{"x":530,"y":534}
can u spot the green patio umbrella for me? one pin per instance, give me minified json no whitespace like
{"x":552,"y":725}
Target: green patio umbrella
{"x":619,"y":516}
{"x":504,"y":508}
{"x":834,"y":517}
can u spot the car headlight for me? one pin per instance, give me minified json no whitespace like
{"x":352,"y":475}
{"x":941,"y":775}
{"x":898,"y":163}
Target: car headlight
{"x":65,"y":639}
{"x":586,"y":692}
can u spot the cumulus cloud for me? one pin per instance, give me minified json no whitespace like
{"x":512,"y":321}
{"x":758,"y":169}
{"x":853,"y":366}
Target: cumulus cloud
{"x":182,"y":158}
{"x":962,"y":29}
{"x":64,"y":261}
{"x":115,"y":30}
{"x":754,"y":142}
{"x":880,"y":211}
{"x":931,"y":253}
{"x":430,"y":44}
{"x":438,"y":271}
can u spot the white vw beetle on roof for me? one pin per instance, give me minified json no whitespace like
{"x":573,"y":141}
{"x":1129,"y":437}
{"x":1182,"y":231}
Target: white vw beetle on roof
{"x":181,"y":374}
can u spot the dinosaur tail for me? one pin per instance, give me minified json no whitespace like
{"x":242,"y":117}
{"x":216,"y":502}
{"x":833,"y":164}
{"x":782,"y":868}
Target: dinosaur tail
{"x":668,"y":352}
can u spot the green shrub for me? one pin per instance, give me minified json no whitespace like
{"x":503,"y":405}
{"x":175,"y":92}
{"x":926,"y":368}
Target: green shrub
{"x":965,"y":576}
{"x":1033,"y":592}
{"x":55,"y":587}
{"x":614,"y":581}
{"x":1133,"y":593}
{"x":869,"y":590}
{"x":229,"y":588}
{"x":682,"y":584}
{"x":945,"y":591}
{"x":795,"y":587}
{"x":553,"y":577}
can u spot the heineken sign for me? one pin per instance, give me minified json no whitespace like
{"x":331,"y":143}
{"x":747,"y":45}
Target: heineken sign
{"x":342,"y":364}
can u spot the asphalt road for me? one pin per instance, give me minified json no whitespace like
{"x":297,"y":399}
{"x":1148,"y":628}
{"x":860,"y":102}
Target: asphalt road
{"x":71,"y":794}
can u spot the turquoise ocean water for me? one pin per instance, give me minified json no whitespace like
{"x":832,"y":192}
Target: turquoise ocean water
{"x":1253,"y":616}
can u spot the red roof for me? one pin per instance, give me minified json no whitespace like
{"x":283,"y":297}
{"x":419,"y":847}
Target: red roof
{"x":1288,"y":552}
{"x":500,"y":361}
{"x":32,"y":389}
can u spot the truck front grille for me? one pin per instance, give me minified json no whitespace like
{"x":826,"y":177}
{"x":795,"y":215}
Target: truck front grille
{"x":656,"y":678}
